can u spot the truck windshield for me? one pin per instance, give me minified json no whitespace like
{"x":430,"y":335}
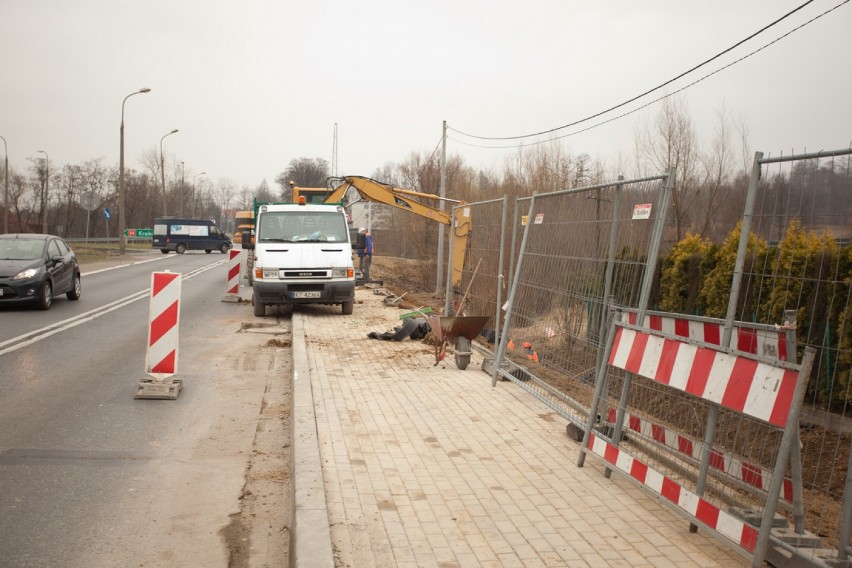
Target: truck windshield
{"x":302,"y":226}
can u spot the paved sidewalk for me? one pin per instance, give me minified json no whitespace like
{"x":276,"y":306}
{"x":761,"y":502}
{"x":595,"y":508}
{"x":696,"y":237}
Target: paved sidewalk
{"x":429,"y":466}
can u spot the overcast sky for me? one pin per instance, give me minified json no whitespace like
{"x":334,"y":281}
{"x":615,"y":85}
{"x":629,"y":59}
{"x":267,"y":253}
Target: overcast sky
{"x":254,"y":84}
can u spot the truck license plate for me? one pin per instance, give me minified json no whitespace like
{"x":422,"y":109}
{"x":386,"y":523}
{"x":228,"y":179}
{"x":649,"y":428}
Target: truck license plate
{"x":299,"y":295}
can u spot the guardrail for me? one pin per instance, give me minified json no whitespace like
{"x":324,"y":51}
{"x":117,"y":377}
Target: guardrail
{"x":107,"y":240}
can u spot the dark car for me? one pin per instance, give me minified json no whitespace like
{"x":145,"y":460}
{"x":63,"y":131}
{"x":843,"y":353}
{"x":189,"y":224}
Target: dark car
{"x":35,"y":268}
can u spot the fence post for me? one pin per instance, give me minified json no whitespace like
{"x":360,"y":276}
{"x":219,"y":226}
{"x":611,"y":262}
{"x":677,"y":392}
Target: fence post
{"x":789,"y":438}
{"x":644,"y":297}
{"x":742,"y":248}
{"x":610,"y":268}
{"x":600,"y":381}
{"x":728,"y":329}
{"x":500,"y":277}
{"x":453,"y":228}
{"x":790,"y":318}
{"x":501,"y":351}
{"x":846,"y":519}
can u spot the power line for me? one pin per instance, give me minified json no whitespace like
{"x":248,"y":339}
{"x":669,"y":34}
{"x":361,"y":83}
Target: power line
{"x":658,"y":87}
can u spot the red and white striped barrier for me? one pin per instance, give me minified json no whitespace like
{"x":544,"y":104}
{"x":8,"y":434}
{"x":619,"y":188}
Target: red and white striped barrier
{"x":741,"y":533}
{"x":736,"y":382}
{"x":769,"y":391}
{"x":161,"y":358}
{"x":751,"y":474}
{"x":746,"y":339}
{"x":233,"y":292}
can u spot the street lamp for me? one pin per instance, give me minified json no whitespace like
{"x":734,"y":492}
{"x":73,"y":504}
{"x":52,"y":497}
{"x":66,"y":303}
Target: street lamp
{"x":46,"y":193}
{"x":163,"y":170}
{"x":194,"y":197}
{"x":6,"y":189}
{"x":122,"y":242}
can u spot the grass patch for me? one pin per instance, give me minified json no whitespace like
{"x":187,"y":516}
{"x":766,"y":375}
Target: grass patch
{"x":93,"y":252}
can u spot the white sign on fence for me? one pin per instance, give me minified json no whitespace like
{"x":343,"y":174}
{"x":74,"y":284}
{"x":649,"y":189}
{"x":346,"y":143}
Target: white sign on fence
{"x":642,"y":211}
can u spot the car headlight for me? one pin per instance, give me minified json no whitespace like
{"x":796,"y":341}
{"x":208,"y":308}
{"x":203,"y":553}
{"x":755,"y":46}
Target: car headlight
{"x":270,"y":273}
{"x":24,"y":274}
{"x":339,"y":272}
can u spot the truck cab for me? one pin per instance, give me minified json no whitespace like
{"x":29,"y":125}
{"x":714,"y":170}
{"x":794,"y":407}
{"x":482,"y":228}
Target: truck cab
{"x":302,"y":254}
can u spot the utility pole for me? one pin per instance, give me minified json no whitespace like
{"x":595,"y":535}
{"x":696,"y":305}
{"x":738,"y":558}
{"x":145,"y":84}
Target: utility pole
{"x":6,"y":189}
{"x":334,"y":153}
{"x":443,"y":191}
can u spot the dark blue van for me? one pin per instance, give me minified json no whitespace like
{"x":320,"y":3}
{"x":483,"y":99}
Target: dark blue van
{"x":180,"y":235}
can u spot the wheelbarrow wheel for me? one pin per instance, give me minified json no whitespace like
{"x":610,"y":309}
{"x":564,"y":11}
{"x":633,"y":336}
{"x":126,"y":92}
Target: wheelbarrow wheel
{"x":462,"y":352}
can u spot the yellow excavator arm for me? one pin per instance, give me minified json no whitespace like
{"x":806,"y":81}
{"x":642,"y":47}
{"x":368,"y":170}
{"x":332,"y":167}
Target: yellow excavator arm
{"x":378,"y":192}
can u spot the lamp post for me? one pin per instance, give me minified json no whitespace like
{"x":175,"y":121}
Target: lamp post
{"x":6,"y":189}
{"x":46,"y":192}
{"x":122,"y":242}
{"x":194,"y":197}
{"x":163,"y":171}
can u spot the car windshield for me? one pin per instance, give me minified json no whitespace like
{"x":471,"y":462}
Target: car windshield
{"x":21,"y":249}
{"x":294,"y":227}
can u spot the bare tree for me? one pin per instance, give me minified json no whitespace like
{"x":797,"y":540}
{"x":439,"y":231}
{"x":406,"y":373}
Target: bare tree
{"x":223,"y":193}
{"x":244,"y":199}
{"x":716,"y":175}
{"x":303,"y":172}
{"x":745,"y":144}
{"x":95,"y":179}
{"x":40,"y":185}
{"x":669,"y":143}
{"x":548,"y":167}
{"x":17,"y":193}
{"x":263,"y":193}
{"x":69,"y":187}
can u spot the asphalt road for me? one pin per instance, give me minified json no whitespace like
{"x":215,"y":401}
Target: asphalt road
{"x":91,"y":477}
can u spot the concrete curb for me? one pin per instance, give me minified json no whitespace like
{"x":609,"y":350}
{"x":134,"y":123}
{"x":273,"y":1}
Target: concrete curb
{"x":310,"y":532}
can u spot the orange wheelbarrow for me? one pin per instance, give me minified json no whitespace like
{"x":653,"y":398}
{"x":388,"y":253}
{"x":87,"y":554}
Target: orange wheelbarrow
{"x":458,"y":331}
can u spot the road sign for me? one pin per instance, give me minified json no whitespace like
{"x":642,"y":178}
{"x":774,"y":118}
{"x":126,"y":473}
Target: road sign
{"x":106,"y":213}
{"x":90,"y":201}
{"x":139,"y":233}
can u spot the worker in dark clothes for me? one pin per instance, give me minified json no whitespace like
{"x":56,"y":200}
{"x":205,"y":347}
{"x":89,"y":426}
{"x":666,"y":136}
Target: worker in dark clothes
{"x":365,"y":255}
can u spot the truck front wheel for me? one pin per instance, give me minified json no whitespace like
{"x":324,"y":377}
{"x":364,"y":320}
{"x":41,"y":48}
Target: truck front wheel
{"x":347,"y":307}
{"x":259,"y":307}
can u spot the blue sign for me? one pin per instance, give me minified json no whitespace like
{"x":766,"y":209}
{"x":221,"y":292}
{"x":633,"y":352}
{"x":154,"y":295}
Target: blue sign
{"x":106,"y":213}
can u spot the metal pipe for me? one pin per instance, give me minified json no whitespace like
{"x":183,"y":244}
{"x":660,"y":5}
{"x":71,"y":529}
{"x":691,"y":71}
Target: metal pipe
{"x":812,"y":156}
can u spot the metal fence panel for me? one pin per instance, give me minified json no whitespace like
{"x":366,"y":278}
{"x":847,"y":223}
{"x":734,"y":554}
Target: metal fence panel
{"x":576,"y":249}
{"x":799,"y":262}
{"x":482,"y":281}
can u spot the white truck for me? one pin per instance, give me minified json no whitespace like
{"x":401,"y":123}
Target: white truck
{"x":302,"y":254}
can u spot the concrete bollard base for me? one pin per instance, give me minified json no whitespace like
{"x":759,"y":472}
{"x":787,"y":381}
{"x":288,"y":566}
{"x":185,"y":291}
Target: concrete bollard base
{"x":158,"y":390}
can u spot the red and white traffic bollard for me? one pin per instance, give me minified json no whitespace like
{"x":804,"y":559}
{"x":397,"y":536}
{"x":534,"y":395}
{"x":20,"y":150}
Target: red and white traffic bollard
{"x":161,"y":356}
{"x":233,"y":292}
